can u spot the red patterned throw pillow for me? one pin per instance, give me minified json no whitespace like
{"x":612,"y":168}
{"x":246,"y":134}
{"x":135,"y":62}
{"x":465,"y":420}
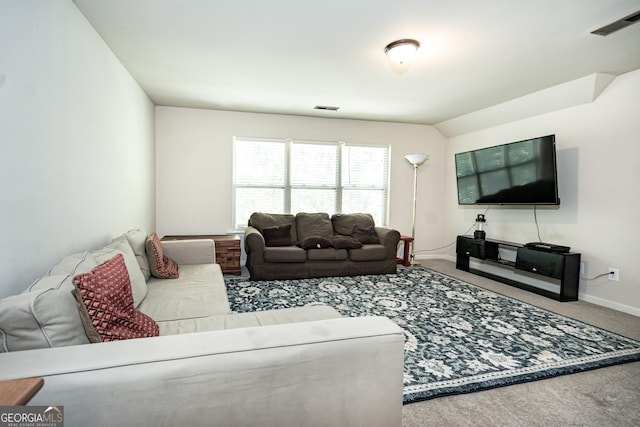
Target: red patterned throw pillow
{"x":106,"y":293}
{"x":161,"y":266}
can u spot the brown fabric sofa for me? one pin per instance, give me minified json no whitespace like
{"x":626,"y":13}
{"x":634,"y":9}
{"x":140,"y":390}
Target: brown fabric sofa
{"x":283,"y":246}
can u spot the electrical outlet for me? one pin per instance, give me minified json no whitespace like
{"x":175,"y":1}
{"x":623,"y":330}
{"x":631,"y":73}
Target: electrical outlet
{"x":614,"y":274}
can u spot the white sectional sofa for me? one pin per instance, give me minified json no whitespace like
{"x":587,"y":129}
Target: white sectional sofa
{"x":304,"y":366}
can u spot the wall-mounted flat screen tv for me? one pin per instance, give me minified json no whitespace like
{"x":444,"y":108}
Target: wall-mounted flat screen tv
{"x":518,"y":173}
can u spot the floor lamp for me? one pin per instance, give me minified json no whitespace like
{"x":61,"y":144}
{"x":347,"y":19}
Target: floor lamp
{"x":416,"y":160}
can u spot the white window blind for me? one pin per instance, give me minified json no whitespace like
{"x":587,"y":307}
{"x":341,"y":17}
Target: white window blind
{"x":285,"y":176}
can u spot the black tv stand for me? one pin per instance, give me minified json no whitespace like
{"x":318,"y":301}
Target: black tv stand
{"x":562,"y":267}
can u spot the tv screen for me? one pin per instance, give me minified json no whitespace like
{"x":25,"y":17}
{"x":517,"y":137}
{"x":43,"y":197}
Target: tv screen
{"x":519,"y":173}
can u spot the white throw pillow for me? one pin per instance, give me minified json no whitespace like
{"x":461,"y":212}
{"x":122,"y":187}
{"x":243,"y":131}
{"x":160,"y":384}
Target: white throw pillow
{"x":137,"y":240}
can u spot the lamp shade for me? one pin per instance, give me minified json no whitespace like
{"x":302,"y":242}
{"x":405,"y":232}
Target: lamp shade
{"x":417,"y":159}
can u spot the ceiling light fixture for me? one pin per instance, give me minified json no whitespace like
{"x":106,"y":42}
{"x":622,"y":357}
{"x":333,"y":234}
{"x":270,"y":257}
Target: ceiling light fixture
{"x":326,"y":108}
{"x":401,"y":51}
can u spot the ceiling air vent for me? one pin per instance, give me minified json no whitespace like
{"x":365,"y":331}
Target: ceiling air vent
{"x":618,"y":25}
{"x":326,"y":108}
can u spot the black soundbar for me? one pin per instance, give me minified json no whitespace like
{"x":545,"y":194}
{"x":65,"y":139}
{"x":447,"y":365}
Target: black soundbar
{"x":547,"y":247}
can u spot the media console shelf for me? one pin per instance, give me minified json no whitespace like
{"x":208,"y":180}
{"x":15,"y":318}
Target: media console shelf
{"x":563,"y":267}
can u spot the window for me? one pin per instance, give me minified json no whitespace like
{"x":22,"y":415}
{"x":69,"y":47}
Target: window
{"x":285,"y":176}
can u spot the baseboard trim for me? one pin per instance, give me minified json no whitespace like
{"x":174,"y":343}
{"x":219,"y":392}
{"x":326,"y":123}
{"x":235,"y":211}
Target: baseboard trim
{"x":610,"y":304}
{"x":451,"y":258}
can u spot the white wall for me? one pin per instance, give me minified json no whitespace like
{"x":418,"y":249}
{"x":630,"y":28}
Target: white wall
{"x":598,"y":148}
{"x":76,"y":140}
{"x":194,"y":151}
{"x":598,"y":160}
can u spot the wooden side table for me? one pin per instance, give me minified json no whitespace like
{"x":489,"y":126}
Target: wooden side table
{"x":406,"y":258}
{"x":19,"y":392}
{"x":227,"y":250}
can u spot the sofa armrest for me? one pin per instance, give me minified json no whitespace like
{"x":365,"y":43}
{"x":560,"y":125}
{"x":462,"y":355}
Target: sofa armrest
{"x":346,"y":371}
{"x":254,"y":245}
{"x":194,"y":251}
{"x":390,"y":239}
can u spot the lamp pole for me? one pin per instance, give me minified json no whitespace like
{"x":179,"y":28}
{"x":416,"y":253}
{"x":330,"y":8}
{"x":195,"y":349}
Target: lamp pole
{"x":413,"y":222}
{"x":416,"y":160}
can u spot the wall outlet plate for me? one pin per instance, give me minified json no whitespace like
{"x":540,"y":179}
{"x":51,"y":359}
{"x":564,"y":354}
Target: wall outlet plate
{"x":614,"y":274}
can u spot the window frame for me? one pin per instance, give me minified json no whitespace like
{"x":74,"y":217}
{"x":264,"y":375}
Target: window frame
{"x":288,"y":186}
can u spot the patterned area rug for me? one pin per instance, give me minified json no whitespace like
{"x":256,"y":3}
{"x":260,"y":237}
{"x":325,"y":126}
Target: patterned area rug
{"x":459,"y":338}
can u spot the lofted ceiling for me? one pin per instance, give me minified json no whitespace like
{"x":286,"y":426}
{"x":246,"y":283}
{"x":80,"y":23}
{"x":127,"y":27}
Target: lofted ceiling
{"x":287,"y":56}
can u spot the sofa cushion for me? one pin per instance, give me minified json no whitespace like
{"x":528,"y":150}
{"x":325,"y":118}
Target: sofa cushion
{"x":106,"y":293}
{"x":345,"y":242}
{"x":60,"y":281}
{"x":121,"y":246}
{"x":278,"y":235}
{"x":316,"y":242}
{"x":313,"y":224}
{"x":285,"y":254}
{"x":345,"y":223}
{"x":262,"y":220}
{"x":365,"y":235}
{"x":327,"y":254}
{"x":368,"y":253}
{"x":250,"y":319}
{"x":60,"y":276}
{"x":161,"y":266}
{"x":40,"y":319}
{"x":138,"y":240}
{"x":73,"y":264}
{"x":199,"y":291}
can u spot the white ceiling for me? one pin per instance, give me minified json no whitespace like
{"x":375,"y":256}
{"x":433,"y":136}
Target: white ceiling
{"x":286,"y":56}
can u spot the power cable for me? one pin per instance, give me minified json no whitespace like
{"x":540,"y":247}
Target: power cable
{"x":453,"y":243}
